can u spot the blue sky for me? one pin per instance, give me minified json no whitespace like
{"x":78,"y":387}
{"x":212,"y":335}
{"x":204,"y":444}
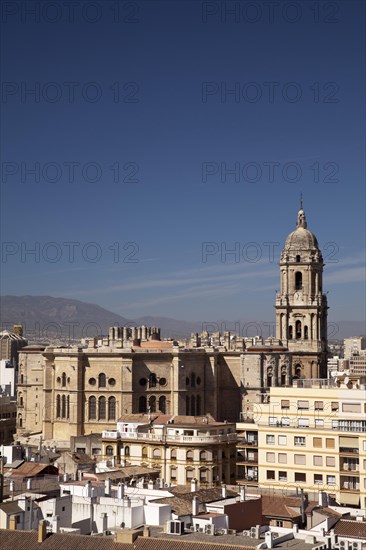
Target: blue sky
{"x":164,"y":126}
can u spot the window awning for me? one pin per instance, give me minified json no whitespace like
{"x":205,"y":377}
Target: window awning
{"x":350,"y":498}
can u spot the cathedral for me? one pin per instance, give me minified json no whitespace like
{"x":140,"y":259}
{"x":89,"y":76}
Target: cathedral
{"x":64,"y":392}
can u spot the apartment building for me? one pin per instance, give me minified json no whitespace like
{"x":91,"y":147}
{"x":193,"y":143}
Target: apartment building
{"x":313,"y":436}
{"x":183,"y":448}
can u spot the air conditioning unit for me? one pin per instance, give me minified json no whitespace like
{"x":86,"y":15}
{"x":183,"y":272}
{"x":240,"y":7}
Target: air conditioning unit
{"x":210,"y":529}
{"x":175,"y":527}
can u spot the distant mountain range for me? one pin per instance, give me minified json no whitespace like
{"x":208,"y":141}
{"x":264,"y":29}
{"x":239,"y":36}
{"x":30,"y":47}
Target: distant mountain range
{"x":45,"y":318}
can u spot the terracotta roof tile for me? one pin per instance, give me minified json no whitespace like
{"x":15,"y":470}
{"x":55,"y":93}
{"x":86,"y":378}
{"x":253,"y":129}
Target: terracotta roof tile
{"x":351,"y":529}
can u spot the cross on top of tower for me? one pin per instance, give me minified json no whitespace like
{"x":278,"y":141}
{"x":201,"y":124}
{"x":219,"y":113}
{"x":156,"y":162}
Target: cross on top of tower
{"x":301,"y":218}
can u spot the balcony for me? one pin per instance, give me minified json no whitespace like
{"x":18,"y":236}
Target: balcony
{"x":348,"y":450}
{"x":179,"y":438}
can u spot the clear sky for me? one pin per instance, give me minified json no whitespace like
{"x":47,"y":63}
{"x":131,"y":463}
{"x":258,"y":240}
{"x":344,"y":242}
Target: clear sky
{"x":155,"y":128}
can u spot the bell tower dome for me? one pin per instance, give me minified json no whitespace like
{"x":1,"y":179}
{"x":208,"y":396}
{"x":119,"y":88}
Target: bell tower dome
{"x":301,"y":306}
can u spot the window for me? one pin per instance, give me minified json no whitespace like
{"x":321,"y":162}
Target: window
{"x":173,"y":454}
{"x":282,"y":458}
{"x":58,"y":406}
{"x":298,"y":329}
{"x":334,"y":405}
{"x":189,"y":474}
{"x":102,"y":408}
{"x":318,"y":479}
{"x":300,"y":476}
{"x":142,"y":404}
{"x":317,"y":442}
{"x":189,"y":456}
{"x":162,"y":404}
{"x":300,"y":459}
{"x":319,"y":423}
{"x":282,"y":476}
{"x":298,"y":280}
{"x":198,"y":381}
{"x":318,"y":460}
{"x":301,"y":404}
{"x":319,"y":405}
{"x":270,"y":439}
{"x":92,"y":381}
{"x":187,"y":405}
{"x":271,"y":474}
{"x":68,"y":407}
{"x":156,"y":453}
{"x":173,"y":473}
{"x":143,"y":382}
{"x":162,"y":381}
{"x":112,"y":381}
{"x":144,"y":452}
{"x":203,"y":456}
{"x":273,"y":420}
{"x":282,"y":440}
{"x":279,"y":523}
{"x":193,"y":405}
{"x":109,"y":450}
{"x":299,"y":440}
{"x":152,"y":380}
{"x":63,"y":406}
{"x":203,"y":475}
{"x":351,"y":407}
{"x":285,"y":403}
{"x":92,"y":408}
{"x":298,"y":259}
{"x":331,"y":480}
{"x":102,"y":380}
{"x":285,"y":421}
{"x":270,"y":457}
{"x":63,"y":379}
{"x":193,"y":380}
{"x":152,"y":403}
{"x":330,"y":460}
{"x":329,"y":443}
{"x":127,"y":451}
{"x":198,"y":405}
{"x":112,"y":408}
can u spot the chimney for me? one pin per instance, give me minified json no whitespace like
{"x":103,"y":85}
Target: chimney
{"x":150,"y":484}
{"x":223,"y":490}
{"x":80,"y":476}
{"x":56,"y":524}
{"x":42,"y":531}
{"x":195,"y":505}
{"x":107,"y":487}
{"x":11,"y":486}
{"x":323,"y":498}
{"x":89,"y":488}
{"x":146,"y":531}
{"x":242,"y":493}
{"x":13,"y":523}
{"x":120,"y":491}
{"x":65,"y":477}
{"x":161,"y":484}
{"x":193,"y":485}
{"x":29,"y":483}
{"x":104,"y":518}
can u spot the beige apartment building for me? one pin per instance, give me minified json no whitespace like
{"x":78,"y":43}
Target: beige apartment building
{"x":313,"y":436}
{"x":183,"y":448}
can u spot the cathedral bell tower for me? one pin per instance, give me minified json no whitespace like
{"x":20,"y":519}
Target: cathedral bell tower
{"x":301,"y":306}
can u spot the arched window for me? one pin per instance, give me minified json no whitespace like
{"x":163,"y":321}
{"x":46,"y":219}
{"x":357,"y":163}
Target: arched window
{"x":306,"y":332}
{"x":189,"y":456}
{"x":290,"y":332}
{"x":63,"y":406}
{"x":298,"y":330}
{"x":142,"y":404}
{"x":173,"y":454}
{"x":92,"y":408}
{"x":187,"y":405}
{"x":20,"y":400}
{"x":269,"y":377}
{"x":297,"y":371}
{"x":127,"y":451}
{"x":203,"y":456}
{"x":102,"y":380}
{"x":162,"y":404}
{"x":58,"y":406}
{"x":156,"y":453}
{"x":193,"y":380}
{"x":112,"y":408}
{"x":152,"y":380}
{"x":68,"y":407}
{"x":298,"y":258}
{"x":21,"y":379}
{"x":298,"y":280}
{"x":20,"y":421}
{"x":152,"y":403}
{"x":193,"y":405}
{"x":283,"y":376}
{"x":109,"y":450}
{"x":63,"y":379}
{"x":144,"y":452}
{"x":102,"y":408}
{"x":198,"y":405}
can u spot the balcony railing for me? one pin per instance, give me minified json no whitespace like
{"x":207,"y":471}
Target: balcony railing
{"x":171,"y":438}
